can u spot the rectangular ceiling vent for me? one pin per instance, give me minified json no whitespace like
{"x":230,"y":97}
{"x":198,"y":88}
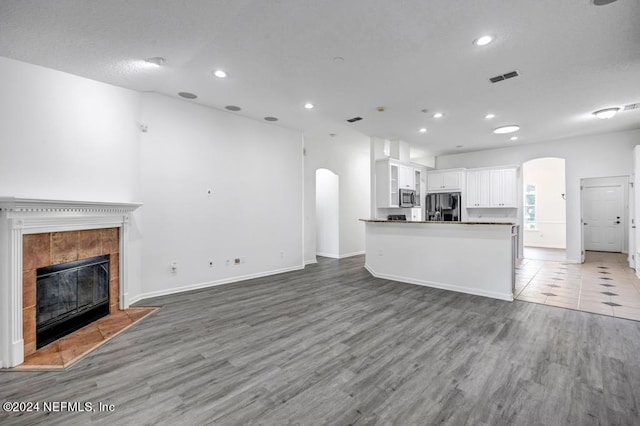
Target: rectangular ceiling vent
{"x":502,"y":77}
{"x":631,"y":106}
{"x":354,"y":119}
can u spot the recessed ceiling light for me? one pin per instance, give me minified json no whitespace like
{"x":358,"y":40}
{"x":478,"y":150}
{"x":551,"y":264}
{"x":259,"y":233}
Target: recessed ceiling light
{"x":423,"y":130}
{"x":271,"y":118}
{"x":602,"y":2}
{"x":606,"y":113}
{"x":309,"y":105}
{"x":438,"y":115}
{"x":187,"y":95}
{"x":489,"y":116}
{"x":484,"y":40}
{"x":338,"y":59}
{"x":513,"y":138}
{"x":459,"y":146}
{"x":220,"y":73}
{"x":506,"y":129}
{"x":233,"y":108}
{"x":156,"y":61}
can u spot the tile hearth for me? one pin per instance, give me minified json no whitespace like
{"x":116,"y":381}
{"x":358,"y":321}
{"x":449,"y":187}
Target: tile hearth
{"x":604,"y":284}
{"x":66,"y":351}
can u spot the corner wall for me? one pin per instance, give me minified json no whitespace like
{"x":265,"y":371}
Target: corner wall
{"x":602,"y":155}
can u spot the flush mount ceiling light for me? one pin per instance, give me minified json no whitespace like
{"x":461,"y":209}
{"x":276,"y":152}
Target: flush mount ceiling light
{"x":606,"y":113}
{"x":156,"y":61}
{"x":438,"y":115}
{"x":187,"y":95}
{"x":506,"y":129}
{"x":309,"y":105}
{"x":423,"y":130}
{"x":489,"y":116}
{"x":271,"y":118}
{"x":233,"y":108}
{"x":484,"y":40}
{"x":220,"y":74}
{"x":513,"y":138}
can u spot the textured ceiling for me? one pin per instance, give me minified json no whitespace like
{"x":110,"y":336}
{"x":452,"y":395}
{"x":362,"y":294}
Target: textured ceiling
{"x":406,"y":55}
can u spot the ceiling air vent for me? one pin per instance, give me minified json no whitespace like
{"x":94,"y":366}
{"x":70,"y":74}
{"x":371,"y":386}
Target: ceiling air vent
{"x":506,"y":76}
{"x":354,"y":119}
{"x":631,"y":106}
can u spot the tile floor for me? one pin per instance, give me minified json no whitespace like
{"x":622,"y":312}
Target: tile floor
{"x":67,"y":350}
{"x":604,"y":284}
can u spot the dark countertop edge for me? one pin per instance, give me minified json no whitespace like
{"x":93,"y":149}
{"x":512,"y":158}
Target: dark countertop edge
{"x":437,"y":223}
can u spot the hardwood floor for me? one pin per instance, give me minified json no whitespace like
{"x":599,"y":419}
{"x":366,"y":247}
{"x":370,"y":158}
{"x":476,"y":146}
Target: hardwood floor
{"x":333,"y":345}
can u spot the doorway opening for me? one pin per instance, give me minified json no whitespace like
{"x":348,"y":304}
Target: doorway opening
{"x":327,"y":214}
{"x":544,"y":221}
{"x":604,"y":203}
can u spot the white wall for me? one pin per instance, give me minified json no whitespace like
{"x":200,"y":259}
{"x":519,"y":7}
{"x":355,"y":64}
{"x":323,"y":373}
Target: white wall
{"x":548,"y":175}
{"x":346,"y":154}
{"x":66,"y":137}
{"x":70,"y":138}
{"x":327,"y":213}
{"x":590,"y":156}
{"x":255,"y":171}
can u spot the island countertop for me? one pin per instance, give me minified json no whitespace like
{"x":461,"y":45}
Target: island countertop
{"x":437,"y":222}
{"x":476,"y":259}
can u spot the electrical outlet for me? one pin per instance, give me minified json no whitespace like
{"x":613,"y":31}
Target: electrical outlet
{"x":282,"y":255}
{"x":174,"y":266}
{"x":380,"y":253}
{"x":227,"y":262}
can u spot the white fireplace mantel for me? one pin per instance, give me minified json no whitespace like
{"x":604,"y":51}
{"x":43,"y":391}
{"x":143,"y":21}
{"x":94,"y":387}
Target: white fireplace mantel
{"x":20,"y":216}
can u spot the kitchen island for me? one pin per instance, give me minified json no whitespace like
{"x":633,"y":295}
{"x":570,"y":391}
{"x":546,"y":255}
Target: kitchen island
{"x":469,"y":257}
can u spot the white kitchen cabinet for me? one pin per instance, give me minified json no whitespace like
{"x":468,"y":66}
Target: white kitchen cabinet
{"x":491,"y":188}
{"x":417,"y":179}
{"x":504,"y":191}
{"x":392,"y":175}
{"x":387,"y":184}
{"x":478,"y":189}
{"x":406,"y":176}
{"x":445,"y":180}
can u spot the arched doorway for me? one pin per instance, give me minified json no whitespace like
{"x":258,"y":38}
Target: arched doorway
{"x":544,"y":214}
{"x":327,"y":214}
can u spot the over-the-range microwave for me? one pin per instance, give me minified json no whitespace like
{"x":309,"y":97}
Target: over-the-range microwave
{"x":407,"y":198}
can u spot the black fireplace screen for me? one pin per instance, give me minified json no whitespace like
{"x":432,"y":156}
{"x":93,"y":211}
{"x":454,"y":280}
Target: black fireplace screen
{"x":69,"y":296}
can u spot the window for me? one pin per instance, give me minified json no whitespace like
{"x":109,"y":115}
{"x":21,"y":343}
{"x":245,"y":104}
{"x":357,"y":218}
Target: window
{"x":530,"y":206}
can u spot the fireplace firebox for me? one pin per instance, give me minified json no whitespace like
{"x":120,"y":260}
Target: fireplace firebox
{"x":69,"y":296}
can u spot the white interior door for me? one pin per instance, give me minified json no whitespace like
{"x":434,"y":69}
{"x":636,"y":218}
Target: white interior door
{"x":603,"y":213}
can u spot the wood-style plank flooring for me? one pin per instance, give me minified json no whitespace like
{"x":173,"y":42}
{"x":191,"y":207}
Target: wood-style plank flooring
{"x":333,"y":345}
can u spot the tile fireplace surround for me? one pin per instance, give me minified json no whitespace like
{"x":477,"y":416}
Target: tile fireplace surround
{"x":21,"y":217}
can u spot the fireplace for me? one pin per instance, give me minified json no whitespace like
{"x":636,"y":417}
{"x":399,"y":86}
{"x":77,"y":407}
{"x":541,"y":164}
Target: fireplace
{"x":36,"y":233}
{"x":69,"y":296}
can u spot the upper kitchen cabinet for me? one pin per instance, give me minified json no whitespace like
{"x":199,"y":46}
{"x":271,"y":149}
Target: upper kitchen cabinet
{"x":387,"y":184}
{"x":445,"y":180}
{"x":492,"y":188}
{"x":406,"y":178}
{"x":393,"y":175}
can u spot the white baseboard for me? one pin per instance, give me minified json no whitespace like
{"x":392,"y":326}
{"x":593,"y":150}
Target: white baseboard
{"x":452,"y":287}
{"x":340,"y":256}
{"x":331,"y":255}
{"x":355,"y":253}
{"x":211,"y":284}
{"x":310,"y":262}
